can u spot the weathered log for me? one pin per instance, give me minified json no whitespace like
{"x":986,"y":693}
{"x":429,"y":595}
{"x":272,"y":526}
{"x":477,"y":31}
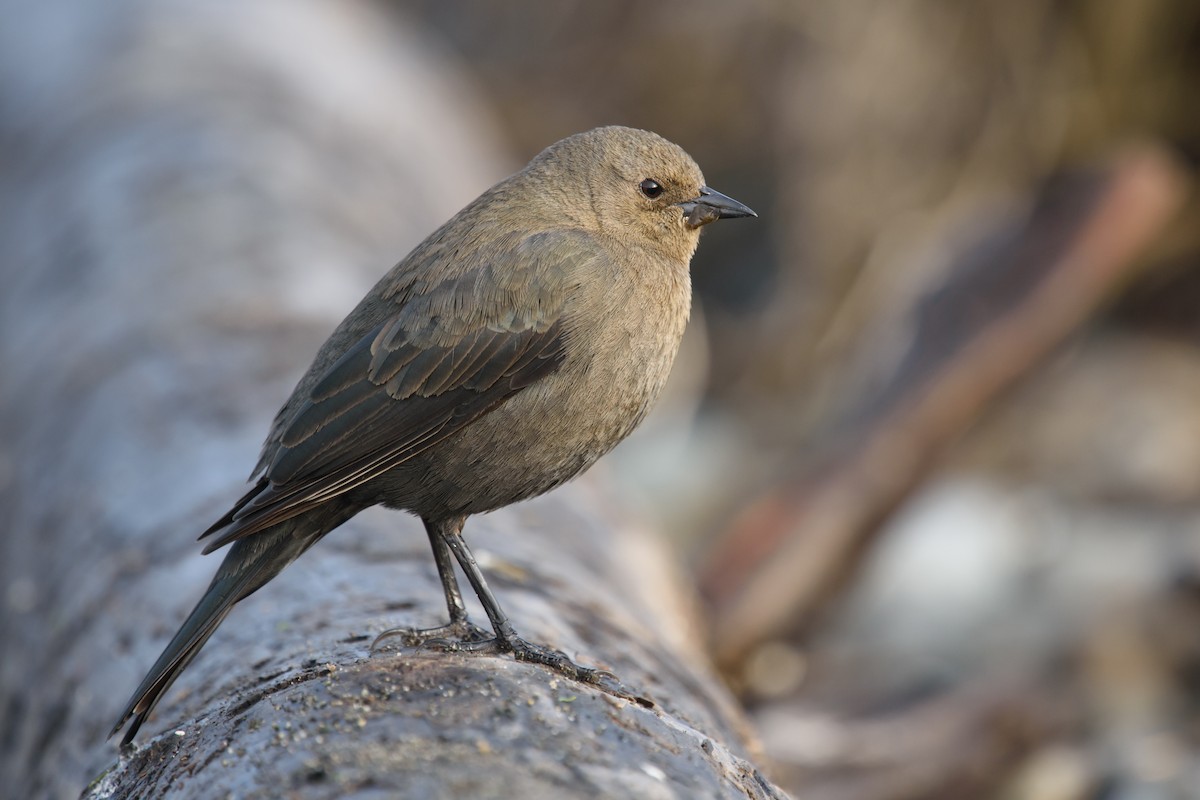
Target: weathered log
{"x":195,"y":196}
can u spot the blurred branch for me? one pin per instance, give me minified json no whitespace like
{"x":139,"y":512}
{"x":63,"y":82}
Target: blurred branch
{"x":959,"y":744}
{"x":1004,"y":307}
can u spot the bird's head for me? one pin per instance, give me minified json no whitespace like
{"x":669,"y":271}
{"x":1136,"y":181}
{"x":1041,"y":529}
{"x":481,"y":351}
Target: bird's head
{"x":636,"y":186}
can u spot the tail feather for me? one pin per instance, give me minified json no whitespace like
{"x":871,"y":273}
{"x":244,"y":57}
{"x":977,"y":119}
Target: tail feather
{"x":200,"y":624}
{"x":249,"y":564}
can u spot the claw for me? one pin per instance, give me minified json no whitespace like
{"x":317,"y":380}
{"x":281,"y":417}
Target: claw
{"x":456,"y":635}
{"x":602,"y":679}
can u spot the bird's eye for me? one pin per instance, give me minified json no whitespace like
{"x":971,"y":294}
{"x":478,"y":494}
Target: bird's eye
{"x":650,"y":188}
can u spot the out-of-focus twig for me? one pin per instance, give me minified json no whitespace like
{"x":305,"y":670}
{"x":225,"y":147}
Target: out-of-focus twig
{"x":959,"y":744}
{"x":1005,"y":305}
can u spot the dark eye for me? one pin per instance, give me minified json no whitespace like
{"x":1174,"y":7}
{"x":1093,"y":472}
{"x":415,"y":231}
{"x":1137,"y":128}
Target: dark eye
{"x":651,"y":188}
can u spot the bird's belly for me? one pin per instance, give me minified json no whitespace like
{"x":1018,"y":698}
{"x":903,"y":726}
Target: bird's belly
{"x":537,"y":440}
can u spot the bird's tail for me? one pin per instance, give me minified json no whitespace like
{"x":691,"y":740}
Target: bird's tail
{"x":250,"y":563}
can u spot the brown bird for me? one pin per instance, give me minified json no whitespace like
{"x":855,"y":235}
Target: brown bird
{"x":516,"y":345}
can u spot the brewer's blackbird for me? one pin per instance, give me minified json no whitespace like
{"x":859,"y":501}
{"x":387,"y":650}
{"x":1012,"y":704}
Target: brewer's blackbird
{"x":505,"y":354}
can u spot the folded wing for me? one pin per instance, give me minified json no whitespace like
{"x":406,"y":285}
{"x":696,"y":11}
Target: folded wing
{"x":415,"y":379}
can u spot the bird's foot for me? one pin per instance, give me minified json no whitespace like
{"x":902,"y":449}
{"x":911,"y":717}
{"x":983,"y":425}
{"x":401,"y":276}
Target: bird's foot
{"x":459,"y":634}
{"x":463,"y":636}
{"x":557,"y":660}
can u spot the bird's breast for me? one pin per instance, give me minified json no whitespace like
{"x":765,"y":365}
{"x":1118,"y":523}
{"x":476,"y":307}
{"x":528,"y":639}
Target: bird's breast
{"x":621,"y":344}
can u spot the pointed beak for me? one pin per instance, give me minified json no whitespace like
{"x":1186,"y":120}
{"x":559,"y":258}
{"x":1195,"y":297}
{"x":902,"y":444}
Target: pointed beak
{"x":711,"y":206}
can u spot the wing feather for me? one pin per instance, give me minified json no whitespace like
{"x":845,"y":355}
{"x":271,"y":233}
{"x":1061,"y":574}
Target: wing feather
{"x":350,"y":436}
{"x":445,"y":351}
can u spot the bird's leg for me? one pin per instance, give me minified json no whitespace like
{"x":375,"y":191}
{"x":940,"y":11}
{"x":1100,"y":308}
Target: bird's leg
{"x":460,"y":628}
{"x":506,"y":636}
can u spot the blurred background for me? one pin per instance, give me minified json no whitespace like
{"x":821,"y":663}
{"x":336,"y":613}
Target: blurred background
{"x":932,"y":448}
